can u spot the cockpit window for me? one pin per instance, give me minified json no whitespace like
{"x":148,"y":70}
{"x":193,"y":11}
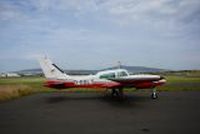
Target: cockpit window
{"x":107,"y":76}
{"x":122,"y":73}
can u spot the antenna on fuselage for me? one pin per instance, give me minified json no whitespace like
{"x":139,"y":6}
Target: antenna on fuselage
{"x":119,"y":64}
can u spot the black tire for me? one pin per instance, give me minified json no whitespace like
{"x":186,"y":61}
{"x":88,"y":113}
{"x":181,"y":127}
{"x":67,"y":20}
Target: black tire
{"x":154,"y":95}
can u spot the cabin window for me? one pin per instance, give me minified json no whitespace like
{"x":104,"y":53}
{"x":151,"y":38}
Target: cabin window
{"x":121,"y":74}
{"x":107,"y":76}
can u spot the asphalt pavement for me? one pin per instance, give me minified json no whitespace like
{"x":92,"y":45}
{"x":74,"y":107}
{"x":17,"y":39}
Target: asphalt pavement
{"x":94,"y":113}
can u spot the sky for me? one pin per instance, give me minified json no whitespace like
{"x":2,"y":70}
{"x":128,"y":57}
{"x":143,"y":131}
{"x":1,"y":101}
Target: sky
{"x":94,"y":34}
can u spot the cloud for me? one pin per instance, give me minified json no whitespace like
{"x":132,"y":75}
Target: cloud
{"x":122,"y":11}
{"x":134,"y":30}
{"x":10,"y":12}
{"x":140,"y":9}
{"x":172,"y":18}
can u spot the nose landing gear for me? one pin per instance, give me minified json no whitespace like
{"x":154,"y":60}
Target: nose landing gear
{"x":154,"y":95}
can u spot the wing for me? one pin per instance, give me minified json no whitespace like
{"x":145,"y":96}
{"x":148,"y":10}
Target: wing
{"x":138,"y":81}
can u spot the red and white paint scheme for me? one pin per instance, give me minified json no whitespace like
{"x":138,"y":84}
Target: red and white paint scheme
{"x":115,"y":79}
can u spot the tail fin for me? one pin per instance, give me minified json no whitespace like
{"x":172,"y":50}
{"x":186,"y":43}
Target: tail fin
{"x":50,"y":70}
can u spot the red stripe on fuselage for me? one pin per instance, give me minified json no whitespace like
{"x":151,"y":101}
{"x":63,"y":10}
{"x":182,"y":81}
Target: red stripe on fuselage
{"x":71,"y":84}
{"x":140,"y":84}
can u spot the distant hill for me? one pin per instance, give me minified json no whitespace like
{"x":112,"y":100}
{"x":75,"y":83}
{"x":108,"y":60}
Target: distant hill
{"x":138,"y":69}
{"x":30,"y":71}
{"x":131,"y":69}
{"x":71,"y":72}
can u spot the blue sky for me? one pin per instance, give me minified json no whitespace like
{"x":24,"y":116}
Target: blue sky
{"x":93,"y":34}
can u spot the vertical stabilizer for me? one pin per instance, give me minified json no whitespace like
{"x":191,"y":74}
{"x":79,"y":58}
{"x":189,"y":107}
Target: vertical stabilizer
{"x":50,"y":70}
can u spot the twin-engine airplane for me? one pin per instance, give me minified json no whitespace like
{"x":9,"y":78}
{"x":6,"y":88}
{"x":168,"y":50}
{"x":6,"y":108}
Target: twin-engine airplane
{"x":115,"y":80}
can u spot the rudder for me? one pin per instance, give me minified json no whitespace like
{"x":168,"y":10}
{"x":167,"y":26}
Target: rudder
{"x":50,"y":70}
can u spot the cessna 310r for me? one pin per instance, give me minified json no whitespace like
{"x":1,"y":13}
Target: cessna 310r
{"x":115,"y":79}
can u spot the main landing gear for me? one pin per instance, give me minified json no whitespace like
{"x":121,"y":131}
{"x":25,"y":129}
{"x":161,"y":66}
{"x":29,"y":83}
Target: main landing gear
{"x":154,"y":95}
{"x":117,"y":92}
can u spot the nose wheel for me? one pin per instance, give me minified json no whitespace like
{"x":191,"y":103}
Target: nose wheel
{"x":154,"y":95}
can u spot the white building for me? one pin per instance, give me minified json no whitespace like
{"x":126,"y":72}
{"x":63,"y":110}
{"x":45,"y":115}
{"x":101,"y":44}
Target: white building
{"x":9,"y":75}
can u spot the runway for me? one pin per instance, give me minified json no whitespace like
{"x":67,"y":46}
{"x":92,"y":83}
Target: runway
{"x":93,"y":113}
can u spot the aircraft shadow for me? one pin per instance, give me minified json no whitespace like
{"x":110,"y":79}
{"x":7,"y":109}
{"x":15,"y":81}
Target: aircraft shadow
{"x":127,"y":100}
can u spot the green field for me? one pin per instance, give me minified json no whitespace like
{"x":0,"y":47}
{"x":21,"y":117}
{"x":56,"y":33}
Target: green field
{"x":16,"y":87}
{"x":182,"y":81}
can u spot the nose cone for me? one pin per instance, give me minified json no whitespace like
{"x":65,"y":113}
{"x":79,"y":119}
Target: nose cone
{"x":162,"y":80}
